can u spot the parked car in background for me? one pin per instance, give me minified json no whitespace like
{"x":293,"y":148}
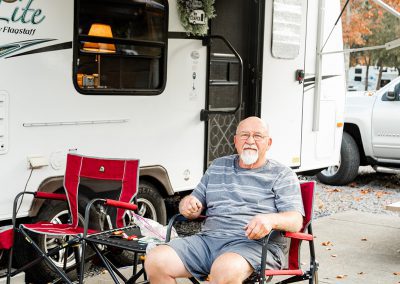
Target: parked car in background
{"x":371,"y":134}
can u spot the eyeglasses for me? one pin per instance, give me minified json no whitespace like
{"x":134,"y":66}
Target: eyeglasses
{"x":247,"y":135}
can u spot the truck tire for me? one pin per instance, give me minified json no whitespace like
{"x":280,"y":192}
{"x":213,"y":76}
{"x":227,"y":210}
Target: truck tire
{"x":150,"y":205}
{"x":56,"y":212}
{"x":347,"y":170}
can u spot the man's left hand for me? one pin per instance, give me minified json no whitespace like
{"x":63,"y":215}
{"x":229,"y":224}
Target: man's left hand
{"x":258,"y":227}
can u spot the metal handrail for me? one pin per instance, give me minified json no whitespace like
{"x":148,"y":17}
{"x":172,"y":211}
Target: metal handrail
{"x":205,"y":113}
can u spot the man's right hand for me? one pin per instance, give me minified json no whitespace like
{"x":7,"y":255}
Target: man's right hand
{"x":190,"y":207}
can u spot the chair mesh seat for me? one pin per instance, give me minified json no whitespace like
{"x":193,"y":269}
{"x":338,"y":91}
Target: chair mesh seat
{"x":55,"y":229}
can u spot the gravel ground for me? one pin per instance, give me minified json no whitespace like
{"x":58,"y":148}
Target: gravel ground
{"x":369,"y":192}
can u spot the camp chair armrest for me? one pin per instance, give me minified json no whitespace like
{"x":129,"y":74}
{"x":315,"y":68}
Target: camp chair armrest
{"x":264,"y":251}
{"x":299,"y":236}
{"x":106,"y":202}
{"x":179,"y":217}
{"x":120,"y":204}
{"x":48,"y":195}
{"x":291,"y":235}
{"x":14,"y":213}
{"x":36,"y":194}
{"x":87,"y":214}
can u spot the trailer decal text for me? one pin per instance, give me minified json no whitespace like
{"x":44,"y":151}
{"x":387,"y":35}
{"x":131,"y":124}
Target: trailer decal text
{"x":24,"y":14}
{"x":24,"y":31}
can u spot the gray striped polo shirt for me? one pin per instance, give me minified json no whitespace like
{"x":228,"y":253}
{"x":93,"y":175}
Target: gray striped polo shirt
{"x":233,"y":195}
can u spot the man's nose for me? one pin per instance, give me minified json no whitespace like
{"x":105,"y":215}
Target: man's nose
{"x":251,"y":138}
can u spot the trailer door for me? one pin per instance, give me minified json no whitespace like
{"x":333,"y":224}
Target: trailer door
{"x":282,"y":92}
{"x":234,"y":47}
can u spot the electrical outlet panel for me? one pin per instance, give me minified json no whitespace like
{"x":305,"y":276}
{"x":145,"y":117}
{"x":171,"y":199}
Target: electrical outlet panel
{"x":3,"y":122}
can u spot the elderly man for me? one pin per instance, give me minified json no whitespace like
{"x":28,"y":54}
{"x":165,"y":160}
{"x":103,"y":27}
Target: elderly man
{"x":245,"y":196}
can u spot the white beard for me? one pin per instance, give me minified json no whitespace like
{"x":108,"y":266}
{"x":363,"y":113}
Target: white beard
{"x":249,"y":157}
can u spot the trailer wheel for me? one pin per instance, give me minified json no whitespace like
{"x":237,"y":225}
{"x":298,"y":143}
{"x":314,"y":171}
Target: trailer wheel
{"x":347,"y":170}
{"x":55,"y":212}
{"x":150,"y":205}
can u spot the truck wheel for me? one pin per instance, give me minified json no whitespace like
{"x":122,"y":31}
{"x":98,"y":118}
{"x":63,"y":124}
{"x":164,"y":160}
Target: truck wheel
{"x":347,"y":170}
{"x":150,"y":205}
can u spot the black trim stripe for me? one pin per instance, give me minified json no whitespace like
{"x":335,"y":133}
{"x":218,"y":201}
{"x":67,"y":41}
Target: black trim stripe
{"x":311,"y":81}
{"x":60,"y":46}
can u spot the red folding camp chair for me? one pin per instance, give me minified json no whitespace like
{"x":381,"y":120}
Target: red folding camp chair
{"x":77,"y":168}
{"x":294,"y":269}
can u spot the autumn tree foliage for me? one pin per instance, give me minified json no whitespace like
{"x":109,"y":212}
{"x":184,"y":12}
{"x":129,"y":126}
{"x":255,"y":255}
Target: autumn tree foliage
{"x":366,"y":24}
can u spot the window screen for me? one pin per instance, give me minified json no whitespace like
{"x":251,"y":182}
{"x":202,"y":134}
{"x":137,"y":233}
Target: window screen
{"x":286,"y":28}
{"x":120,"y":46}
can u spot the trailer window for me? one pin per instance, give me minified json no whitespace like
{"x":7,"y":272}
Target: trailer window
{"x":120,"y":46}
{"x":286,"y":28}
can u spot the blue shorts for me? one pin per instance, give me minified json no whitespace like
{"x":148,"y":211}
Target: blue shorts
{"x":198,"y":252}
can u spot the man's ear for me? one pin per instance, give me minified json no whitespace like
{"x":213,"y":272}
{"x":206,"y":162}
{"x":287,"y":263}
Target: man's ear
{"x":269,"y":143}
{"x":234,"y":143}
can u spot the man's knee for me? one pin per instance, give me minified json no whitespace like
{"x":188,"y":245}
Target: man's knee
{"x":230,"y":268}
{"x":155,"y":259}
{"x":163,"y":261}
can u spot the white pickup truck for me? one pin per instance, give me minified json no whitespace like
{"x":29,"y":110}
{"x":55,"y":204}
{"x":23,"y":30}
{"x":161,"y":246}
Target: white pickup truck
{"x":371,"y":134}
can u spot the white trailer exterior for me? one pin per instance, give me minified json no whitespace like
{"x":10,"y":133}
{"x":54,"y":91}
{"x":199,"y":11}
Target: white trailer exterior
{"x":45,"y":112}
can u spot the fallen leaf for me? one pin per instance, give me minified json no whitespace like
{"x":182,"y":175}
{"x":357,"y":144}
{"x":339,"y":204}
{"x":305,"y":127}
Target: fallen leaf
{"x":357,"y":199}
{"x":341,"y":276}
{"x":364,"y":239}
{"x":327,"y":243}
{"x":396,"y":273}
{"x":360,"y":273}
{"x":379,"y":194}
{"x":333,"y":255}
{"x":334,"y":190}
{"x":365,"y":191}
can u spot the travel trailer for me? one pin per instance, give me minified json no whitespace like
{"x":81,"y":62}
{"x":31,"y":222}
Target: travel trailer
{"x":124,"y":78}
{"x":356,"y":78}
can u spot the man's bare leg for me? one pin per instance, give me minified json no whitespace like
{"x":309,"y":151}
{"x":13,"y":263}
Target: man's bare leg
{"x":230,"y":268}
{"x":163,"y":265}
